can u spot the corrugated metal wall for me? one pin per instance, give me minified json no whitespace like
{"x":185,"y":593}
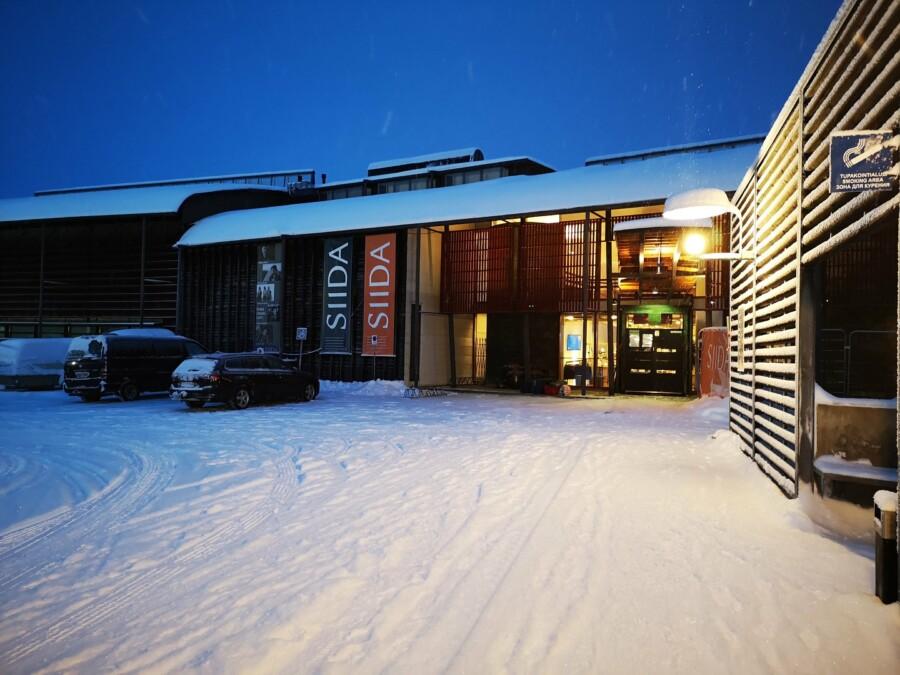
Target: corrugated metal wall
{"x":852,"y":82}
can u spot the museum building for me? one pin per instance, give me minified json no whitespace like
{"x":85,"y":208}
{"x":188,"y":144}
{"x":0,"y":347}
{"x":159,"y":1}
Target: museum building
{"x":493,"y":280}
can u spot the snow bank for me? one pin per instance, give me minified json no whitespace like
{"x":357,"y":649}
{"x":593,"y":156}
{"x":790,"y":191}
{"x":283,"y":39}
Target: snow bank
{"x":826,"y":398}
{"x":384,"y":388}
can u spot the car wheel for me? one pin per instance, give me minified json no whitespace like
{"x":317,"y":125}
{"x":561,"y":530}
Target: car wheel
{"x":308,"y":393}
{"x":241,"y":398}
{"x":93,"y":397}
{"x":128,"y":391}
{"x":194,"y":404}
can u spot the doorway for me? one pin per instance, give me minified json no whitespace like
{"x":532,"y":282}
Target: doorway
{"x":655,"y":344}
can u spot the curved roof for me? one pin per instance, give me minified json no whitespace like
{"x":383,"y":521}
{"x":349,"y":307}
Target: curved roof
{"x":122,"y":202}
{"x":587,"y":187}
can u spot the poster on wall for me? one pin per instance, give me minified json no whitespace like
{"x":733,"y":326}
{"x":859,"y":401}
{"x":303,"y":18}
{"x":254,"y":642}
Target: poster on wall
{"x":378,"y":290}
{"x":269,"y":271}
{"x":714,"y":351}
{"x":336,"y":296}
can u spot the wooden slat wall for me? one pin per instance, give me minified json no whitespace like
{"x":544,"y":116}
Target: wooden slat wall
{"x":91,"y":271}
{"x":785,"y":197}
{"x":219,"y":294}
{"x":303,"y":292}
{"x":533,"y":267}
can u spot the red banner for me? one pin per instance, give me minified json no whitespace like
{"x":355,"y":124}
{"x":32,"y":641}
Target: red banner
{"x":378,"y":295}
{"x":714,"y":363}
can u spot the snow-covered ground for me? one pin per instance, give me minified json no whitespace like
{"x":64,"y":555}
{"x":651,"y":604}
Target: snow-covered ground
{"x":364,"y":532}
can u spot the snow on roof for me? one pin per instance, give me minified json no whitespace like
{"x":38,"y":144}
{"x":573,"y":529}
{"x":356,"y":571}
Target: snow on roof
{"x":706,"y":146}
{"x":420,"y":159}
{"x":442,"y":168}
{"x":659,"y":222}
{"x":586,"y":187}
{"x":127,"y":201}
{"x":232,"y":177}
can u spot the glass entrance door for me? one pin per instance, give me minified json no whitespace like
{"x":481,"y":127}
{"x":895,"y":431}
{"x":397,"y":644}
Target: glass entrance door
{"x":654,"y":350}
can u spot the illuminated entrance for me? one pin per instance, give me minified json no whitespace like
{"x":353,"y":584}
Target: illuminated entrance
{"x":655,"y":349}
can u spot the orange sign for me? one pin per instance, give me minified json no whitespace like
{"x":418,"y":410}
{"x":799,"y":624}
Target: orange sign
{"x":714,"y":362}
{"x":378,"y":295}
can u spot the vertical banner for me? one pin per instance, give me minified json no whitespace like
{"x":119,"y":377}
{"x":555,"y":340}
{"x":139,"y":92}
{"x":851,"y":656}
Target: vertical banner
{"x":336,"y":297}
{"x":378,"y":289}
{"x":269,"y":272}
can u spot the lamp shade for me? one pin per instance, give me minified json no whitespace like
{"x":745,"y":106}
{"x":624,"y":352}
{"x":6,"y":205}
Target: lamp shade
{"x":701,"y":203}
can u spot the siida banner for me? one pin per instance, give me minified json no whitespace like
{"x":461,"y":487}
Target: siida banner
{"x":378,"y":295}
{"x":714,"y":345}
{"x":337,"y":299}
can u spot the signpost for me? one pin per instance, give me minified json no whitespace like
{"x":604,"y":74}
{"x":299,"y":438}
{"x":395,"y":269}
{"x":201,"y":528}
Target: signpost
{"x":301,"y":338}
{"x":863,"y":160}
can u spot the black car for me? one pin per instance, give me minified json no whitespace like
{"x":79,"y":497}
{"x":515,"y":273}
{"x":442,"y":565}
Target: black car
{"x":241,"y":379}
{"x":124,"y":365}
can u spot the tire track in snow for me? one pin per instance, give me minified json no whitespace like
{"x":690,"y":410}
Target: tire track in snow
{"x":124,"y":594}
{"x":518,"y":553}
{"x":47,"y":543}
{"x":432,"y":640}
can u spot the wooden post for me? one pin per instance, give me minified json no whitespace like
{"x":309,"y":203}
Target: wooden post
{"x":40,"y":316}
{"x":417,"y":312}
{"x":451,"y":331}
{"x":610,"y":337}
{"x":452,"y":335}
{"x":143,"y":259}
{"x":585,"y":281}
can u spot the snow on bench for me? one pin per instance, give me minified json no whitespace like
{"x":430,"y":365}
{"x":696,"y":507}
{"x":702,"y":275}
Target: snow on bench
{"x":833,"y":468}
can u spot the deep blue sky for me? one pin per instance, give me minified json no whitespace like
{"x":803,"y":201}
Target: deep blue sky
{"x":98,"y":92}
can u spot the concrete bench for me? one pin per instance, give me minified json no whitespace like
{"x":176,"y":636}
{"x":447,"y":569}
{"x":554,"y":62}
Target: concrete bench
{"x":832,"y":469}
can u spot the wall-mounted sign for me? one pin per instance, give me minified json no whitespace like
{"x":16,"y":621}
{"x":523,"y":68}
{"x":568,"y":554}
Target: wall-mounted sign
{"x":336,"y":296}
{"x":269,"y":271}
{"x":861,"y":160}
{"x":378,"y":291}
{"x":714,"y":362}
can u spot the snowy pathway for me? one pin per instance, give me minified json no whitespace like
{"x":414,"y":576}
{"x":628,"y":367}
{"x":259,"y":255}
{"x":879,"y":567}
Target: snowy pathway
{"x":372,"y":534}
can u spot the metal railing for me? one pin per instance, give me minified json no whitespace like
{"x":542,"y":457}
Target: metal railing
{"x":857,"y":364}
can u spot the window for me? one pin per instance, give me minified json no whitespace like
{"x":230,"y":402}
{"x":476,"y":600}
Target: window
{"x":192,"y":348}
{"x":131,"y":348}
{"x":273,"y":363}
{"x":254,"y":362}
{"x":169,"y":348}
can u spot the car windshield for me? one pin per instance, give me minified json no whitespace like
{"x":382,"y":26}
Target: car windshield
{"x":85,"y":346}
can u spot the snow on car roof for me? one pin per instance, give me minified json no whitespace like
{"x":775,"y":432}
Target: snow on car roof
{"x":121,"y":202}
{"x":651,"y":179}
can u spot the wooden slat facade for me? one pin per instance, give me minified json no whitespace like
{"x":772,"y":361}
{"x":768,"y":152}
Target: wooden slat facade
{"x":792,"y":222}
{"x":219,"y":304}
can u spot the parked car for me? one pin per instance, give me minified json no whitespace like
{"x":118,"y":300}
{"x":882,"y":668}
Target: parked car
{"x":241,"y":379}
{"x":32,"y":363}
{"x":124,"y":365}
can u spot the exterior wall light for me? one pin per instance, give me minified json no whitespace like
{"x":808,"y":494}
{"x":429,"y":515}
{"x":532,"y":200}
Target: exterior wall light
{"x":704,"y":203}
{"x":694,"y":244}
{"x":700,"y":203}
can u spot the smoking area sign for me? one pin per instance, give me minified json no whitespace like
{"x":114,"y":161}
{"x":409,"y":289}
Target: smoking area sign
{"x":863,"y":160}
